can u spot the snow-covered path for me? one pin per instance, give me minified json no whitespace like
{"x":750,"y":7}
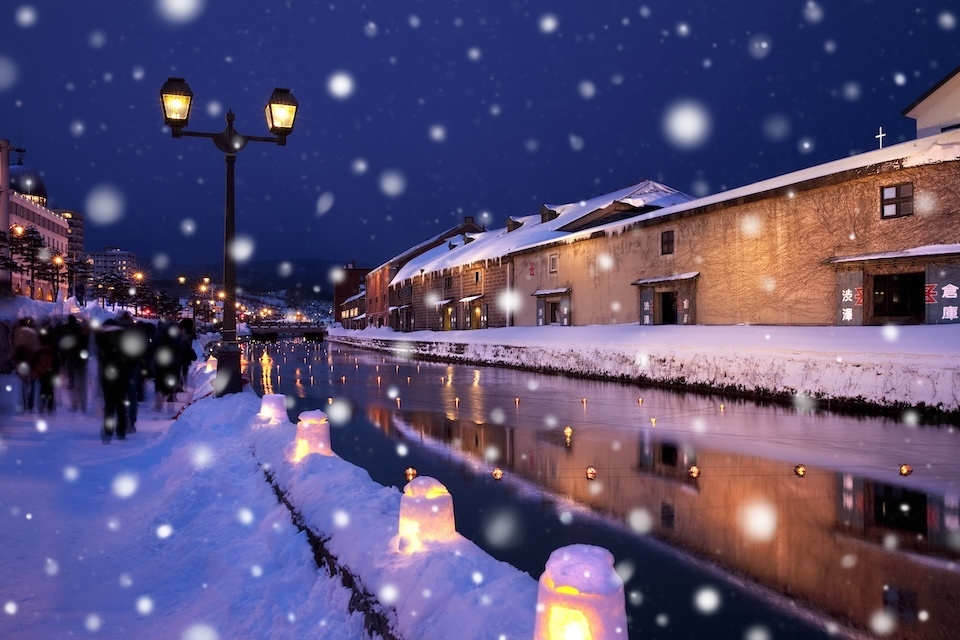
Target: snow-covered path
{"x":162,"y":535}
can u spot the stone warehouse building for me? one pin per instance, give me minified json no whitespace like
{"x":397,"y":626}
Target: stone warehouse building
{"x":869,"y":239}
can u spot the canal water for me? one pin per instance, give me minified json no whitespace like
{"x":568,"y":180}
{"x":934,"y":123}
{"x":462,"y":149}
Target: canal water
{"x":727,"y":519}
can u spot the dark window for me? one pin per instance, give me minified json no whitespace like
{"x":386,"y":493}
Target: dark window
{"x":901,"y":604}
{"x":666,"y":515}
{"x":476,"y":277}
{"x":668,"y":307}
{"x":666,"y":242}
{"x":898,"y":297}
{"x":896,"y":201}
{"x":900,"y":509}
{"x":447,"y":282}
{"x":668,"y":455}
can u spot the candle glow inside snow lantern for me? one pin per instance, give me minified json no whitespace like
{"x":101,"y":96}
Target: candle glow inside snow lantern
{"x":580,"y":596}
{"x":274,"y":407}
{"x":426,"y":514}
{"x":313,"y":435}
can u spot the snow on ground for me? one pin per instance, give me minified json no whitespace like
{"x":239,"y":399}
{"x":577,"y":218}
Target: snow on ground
{"x":890,"y":365}
{"x":175,"y":532}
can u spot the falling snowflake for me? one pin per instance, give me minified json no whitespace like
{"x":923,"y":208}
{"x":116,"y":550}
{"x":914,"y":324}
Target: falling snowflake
{"x":549,"y":23}
{"x":26,"y":16}
{"x":200,"y":632}
{"x":388,"y":594}
{"x":707,"y":600}
{"x":503,"y":528}
{"x":758,"y":520}
{"x":164,"y":531}
{"x":188,"y":226}
{"x":687,"y":124}
{"x":576,"y":142}
{"x":97,"y":39}
{"x":947,"y":21}
{"x":358,"y":166}
{"x":180,"y":11}
{"x":587,"y":89}
{"x":438,"y":133}
{"x":144,"y":605}
{"x":474,"y":53}
{"x":776,"y":128}
{"x":242,"y":248}
{"x":340,"y":85}
{"x":759,"y":46}
{"x":105,"y":204}
{"x":392,"y":183}
{"x":812,"y":12}
{"x":244,"y":516}
{"x":324,"y":203}
{"x":125,"y":485}
{"x":339,"y":412}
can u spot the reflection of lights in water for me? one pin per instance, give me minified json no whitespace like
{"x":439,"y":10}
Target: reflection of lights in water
{"x":266,"y":373}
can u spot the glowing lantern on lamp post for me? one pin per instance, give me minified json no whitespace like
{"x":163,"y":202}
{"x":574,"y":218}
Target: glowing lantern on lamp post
{"x":591,"y":473}
{"x":580,"y":596}
{"x":800,"y":470}
{"x":409,"y":473}
{"x":426,"y":515}
{"x":905,"y":469}
{"x":497,"y":473}
{"x":273,"y":406}
{"x":313,"y":435}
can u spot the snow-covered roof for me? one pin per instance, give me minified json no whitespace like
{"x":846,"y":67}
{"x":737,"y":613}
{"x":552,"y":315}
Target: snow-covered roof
{"x":471,"y":298}
{"x":676,"y":276}
{"x":495,"y":243}
{"x":499,"y":243}
{"x":644,"y":194}
{"x":926,"y":250}
{"x":550,"y":292}
{"x":354,"y":298}
{"x":942,"y":147}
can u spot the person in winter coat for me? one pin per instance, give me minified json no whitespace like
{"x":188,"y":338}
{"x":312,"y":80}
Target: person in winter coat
{"x":115,"y":368}
{"x":74,"y":345}
{"x":46,"y":367}
{"x":167,"y":356}
{"x":26,"y":344}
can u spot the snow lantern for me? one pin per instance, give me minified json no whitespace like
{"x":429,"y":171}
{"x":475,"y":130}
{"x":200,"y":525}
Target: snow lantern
{"x":313,"y":435}
{"x":426,"y":514}
{"x":211,"y":365}
{"x":580,"y":596}
{"x":273,"y":406}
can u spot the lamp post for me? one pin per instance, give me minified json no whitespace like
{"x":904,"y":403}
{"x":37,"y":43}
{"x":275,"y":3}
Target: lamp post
{"x":281,"y":111}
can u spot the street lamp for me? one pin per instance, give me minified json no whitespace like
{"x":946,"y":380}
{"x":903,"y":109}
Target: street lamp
{"x":281,"y":112}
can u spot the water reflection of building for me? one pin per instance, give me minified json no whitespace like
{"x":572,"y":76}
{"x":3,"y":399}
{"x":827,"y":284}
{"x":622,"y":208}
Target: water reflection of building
{"x":850,"y":546}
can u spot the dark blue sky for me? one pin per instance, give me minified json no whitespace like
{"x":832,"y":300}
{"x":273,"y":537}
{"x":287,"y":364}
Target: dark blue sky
{"x":462,"y":108}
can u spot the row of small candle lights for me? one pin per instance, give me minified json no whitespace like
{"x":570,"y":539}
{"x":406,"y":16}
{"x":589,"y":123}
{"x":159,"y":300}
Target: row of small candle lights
{"x":591,"y":473}
{"x":427,"y":522}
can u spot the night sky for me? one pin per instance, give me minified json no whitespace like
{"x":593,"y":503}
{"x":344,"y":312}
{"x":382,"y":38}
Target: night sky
{"x":416,"y":114}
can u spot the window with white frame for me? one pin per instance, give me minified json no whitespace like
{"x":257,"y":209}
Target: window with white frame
{"x":553,"y":263}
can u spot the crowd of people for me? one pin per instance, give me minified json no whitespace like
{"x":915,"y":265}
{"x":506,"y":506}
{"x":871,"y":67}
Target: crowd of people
{"x":55,"y":354}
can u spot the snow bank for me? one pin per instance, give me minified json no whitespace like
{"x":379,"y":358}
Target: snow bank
{"x":449,"y":588}
{"x":879,"y":367}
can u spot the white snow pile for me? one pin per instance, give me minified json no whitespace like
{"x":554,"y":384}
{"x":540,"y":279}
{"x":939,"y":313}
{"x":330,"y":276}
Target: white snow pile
{"x":894,"y":367}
